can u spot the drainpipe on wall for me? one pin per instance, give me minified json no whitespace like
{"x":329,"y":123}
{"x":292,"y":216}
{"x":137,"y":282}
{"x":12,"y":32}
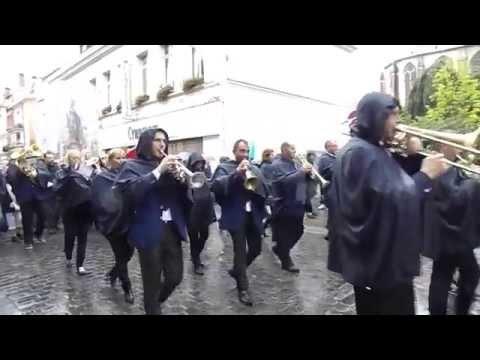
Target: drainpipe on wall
{"x":396,"y":91}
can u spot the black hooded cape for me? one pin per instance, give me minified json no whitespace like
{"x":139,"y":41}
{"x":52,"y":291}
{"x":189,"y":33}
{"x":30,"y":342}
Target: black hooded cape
{"x":202,"y":212}
{"x":375,"y":229}
{"x":73,"y":186}
{"x":135,"y":181}
{"x":451,"y":215}
{"x":109,"y":208}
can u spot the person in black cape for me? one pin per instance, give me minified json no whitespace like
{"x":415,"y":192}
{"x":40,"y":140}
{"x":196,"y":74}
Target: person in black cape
{"x":111,"y":221}
{"x":452,"y":231}
{"x":267,"y":171}
{"x":73,"y":187}
{"x":243,"y":212}
{"x":30,"y":192}
{"x":375,"y":230}
{"x":50,"y":204}
{"x":289,"y":191}
{"x":325,"y":167}
{"x":201,"y":213}
{"x":158,"y":198}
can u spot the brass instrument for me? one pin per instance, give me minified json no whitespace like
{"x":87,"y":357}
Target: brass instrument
{"x":26,"y":158}
{"x":196,"y":179}
{"x":314,"y":174}
{"x":251,"y":180}
{"x":465,"y":142}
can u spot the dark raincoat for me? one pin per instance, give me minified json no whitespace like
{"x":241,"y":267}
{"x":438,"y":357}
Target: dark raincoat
{"x":232,"y":196}
{"x":148,"y":197}
{"x":201,"y":212}
{"x":289,"y":188}
{"x":375,"y":207}
{"x":452,"y":211}
{"x":109,"y":208}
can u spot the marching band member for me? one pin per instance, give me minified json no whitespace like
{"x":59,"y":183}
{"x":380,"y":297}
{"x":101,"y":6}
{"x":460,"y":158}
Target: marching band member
{"x":451,"y":234}
{"x":73,"y":189}
{"x":29,"y":186}
{"x":201,"y":213}
{"x":110,"y":220}
{"x":375,"y":232}
{"x":158,"y":221}
{"x":242,"y":212}
{"x":289,"y":190}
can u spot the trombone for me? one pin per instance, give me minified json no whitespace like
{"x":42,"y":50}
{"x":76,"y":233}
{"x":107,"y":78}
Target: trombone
{"x":465,"y":142}
{"x":314,"y":173}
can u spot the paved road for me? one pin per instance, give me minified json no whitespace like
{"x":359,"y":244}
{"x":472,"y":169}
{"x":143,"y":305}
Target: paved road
{"x":37,"y":282}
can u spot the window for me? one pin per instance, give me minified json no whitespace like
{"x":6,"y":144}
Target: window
{"x":165,"y":58}
{"x":142,"y":60}
{"x":410,"y":74}
{"x":106,"y":76}
{"x":197,"y":64}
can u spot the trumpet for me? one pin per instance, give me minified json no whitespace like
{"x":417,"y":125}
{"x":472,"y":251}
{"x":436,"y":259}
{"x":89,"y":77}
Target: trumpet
{"x":196,"y":179}
{"x":314,"y":174}
{"x":251,"y":180}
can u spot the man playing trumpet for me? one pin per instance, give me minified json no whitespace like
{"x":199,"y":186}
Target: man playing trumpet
{"x":241,"y":192}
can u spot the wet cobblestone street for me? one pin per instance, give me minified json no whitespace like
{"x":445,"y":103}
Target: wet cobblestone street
{"x":37,"y":282}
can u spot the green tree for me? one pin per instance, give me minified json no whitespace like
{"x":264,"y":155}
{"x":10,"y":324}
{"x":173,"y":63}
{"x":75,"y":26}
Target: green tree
{"x":455,"y":102}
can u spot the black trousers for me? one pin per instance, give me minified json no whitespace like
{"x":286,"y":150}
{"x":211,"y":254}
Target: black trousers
{"x":76,"y":223}
{"x":28,"y":210}
{"x":442,"y":276}
{"x":51,"y":209}
{"x":122,"y":252}
{"x":286,"y":231}
{"x":398,"y":300}
{"x":165,"y":260}
{"x":247,"y":235}
{"x":198,"y":236}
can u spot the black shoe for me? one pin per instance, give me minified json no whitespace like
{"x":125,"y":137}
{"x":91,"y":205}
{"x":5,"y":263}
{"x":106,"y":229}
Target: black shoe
{"x":15,"y":239}
{"x":129,"y":297}
{"x":232,"y":274}
{"x":291,"y":268}
{"x":197,"y":269}
{"x":244,"y":298}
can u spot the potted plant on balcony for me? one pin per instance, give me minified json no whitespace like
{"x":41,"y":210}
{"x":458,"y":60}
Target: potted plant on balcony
{"x":164,"y":91}
{"x":189,"y":84}
{"x":107,"y":110}
{"x":141,"y":99}
{"x":119,"y":107}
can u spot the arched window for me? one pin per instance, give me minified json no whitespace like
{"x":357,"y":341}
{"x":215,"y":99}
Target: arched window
{"x":475,"y":64}
{"x":410,"y":74}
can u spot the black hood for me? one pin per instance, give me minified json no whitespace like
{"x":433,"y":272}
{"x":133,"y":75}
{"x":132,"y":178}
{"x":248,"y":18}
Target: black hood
{"x":194,"y":158}
{"x":144,"y":147}
{"x":372,"y":113}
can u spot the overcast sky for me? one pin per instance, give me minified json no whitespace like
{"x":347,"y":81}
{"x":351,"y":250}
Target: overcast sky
{"x":39,"y":60}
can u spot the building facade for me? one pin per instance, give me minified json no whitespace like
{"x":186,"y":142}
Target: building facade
{"x":205,"y":96}
{"x":398,"y":77}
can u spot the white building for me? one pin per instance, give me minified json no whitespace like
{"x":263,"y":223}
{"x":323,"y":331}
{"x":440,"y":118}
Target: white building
{"x":110,"y":94}
{"x":398,"y":77}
